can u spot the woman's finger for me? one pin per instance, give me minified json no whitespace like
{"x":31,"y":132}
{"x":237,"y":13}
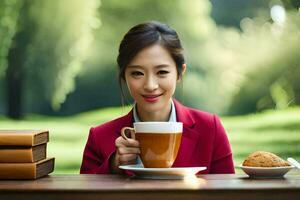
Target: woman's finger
{"x":126,"y":158}
{"x":121,"y":142}
{"x":128,"y":150}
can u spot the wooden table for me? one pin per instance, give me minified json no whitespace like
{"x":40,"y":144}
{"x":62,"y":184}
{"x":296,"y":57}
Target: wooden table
{"x":119,"y":187}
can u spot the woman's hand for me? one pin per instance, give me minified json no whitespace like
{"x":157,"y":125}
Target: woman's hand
{"x":126,"y":153}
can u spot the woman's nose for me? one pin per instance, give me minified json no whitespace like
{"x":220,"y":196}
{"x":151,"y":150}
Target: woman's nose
{"x":150,"y":84}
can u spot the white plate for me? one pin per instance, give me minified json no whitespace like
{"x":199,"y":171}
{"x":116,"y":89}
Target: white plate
{"x":266,"y":172}
{"x":162,"y":173}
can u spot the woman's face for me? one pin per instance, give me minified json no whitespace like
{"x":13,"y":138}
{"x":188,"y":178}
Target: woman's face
{"x":151,"y":78}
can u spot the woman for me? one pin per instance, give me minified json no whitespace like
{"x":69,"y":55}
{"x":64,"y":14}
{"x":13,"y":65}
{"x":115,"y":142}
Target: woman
{"x":151,"y":63}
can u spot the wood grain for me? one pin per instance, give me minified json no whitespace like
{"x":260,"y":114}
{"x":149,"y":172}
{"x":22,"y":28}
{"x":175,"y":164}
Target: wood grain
{"x":111,"y":187}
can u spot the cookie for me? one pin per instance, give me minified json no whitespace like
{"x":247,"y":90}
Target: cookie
{"x":264,"y":159}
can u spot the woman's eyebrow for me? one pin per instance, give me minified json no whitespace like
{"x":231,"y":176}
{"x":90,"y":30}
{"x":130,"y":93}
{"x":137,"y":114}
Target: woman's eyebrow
{"x":134,"y":66}
{"x":157,"y":66}
{"x":162,"y":66}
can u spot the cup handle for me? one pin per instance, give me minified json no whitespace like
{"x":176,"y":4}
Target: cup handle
{"x":131,"y":131}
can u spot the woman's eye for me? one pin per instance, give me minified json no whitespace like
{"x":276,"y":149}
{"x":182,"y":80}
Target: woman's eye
{"x":136,"y":73}
{"x":163,"y":72}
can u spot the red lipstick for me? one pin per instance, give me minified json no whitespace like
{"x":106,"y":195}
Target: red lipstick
{"x":151,"y":98}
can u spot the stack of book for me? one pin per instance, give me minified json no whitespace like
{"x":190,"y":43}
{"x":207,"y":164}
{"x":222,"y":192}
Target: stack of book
{"x":23,"y":154}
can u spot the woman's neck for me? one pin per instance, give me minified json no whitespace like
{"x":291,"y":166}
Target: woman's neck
{"x":162,"y":115}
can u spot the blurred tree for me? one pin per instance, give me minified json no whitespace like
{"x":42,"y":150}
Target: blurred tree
{"x":9,"y":12}
{"x":271,"y":80}
{"x":230,"y":70}
{"x":248,"y":66}
{"x":255,"y":68}
{"x":98,"y":85}
{"x":14,"y":76}
{"x":250,"y":69}
{"x":231,"y":12}
{"x":48,"y":51}
{"x":290,"y":4}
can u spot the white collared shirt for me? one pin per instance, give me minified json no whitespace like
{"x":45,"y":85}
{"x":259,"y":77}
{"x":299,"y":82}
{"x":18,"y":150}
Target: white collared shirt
{"x":172,"y":117}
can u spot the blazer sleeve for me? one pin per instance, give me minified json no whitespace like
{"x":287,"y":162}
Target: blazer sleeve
{"x":222,"y":161}
{"x":93,"y":161}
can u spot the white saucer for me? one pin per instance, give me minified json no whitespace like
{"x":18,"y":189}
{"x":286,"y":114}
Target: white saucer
{"x":266,"y":172}
{"x":162,"y":173}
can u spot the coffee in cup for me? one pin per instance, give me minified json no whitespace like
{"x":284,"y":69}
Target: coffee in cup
{"x":159,"y":142}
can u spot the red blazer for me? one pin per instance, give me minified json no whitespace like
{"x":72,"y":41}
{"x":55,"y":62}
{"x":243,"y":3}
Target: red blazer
{"x":204,"y":143}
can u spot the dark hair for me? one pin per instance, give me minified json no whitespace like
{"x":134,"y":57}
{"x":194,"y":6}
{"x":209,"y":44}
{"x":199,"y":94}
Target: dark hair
{"x":144,"y":35}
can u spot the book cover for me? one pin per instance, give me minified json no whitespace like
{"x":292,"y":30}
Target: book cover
{"x":23,"y":137}
{"x":19,"y":154}
{"x":26,"y":170}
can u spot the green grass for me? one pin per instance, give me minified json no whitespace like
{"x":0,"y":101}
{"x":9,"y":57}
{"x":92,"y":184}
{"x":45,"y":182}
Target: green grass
{"x":275,"y":131}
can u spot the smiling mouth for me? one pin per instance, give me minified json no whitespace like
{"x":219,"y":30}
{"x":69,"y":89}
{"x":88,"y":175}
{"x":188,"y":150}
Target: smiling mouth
{"x":151,"y":98}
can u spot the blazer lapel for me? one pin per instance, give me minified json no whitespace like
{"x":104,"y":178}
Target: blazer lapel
{"x":189,"y":136}
{"x":183,"y":115}
{"x":126,"y":121}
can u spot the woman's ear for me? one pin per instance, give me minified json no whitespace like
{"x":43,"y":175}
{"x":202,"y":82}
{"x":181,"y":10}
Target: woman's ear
{"x":182,"y":72}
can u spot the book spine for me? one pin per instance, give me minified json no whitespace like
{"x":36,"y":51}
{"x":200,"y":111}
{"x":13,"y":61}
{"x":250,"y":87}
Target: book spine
{"x":16,"y":155}
{"x":16,"y":140}
{"x":17,"y":171}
